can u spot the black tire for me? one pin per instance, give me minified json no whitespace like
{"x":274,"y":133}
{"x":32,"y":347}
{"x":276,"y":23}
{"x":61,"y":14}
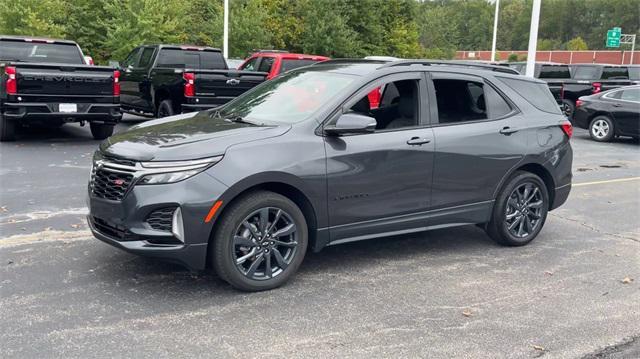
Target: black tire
{"x":7,"y":129}
{"x":226,"y":251}
{"x":601,"y":129}
{"x":532,"y":219}
{"x":568,"y":108}
{"x":165,"y":109}
{"x":100,"y":131}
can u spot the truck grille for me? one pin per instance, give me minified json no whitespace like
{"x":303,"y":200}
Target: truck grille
{"x":161,"y":219}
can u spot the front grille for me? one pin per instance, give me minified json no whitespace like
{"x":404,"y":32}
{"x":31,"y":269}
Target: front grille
{"x":120,"y":161}
{"x":112,"y":230}
{"x":161,"y":219}
{"x":110,"y":185}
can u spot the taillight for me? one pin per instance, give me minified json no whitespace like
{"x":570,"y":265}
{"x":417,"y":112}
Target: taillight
{"x":579,"y":103}
{"x":596,"y":87}
{"x":12,"y":83}
{"x":567,"y":128}
{"x":189,"y":83}
{"x":116,"y":83}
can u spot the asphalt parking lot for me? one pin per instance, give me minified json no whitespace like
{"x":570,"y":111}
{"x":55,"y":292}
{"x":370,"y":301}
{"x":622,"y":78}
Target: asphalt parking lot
{"x":572,"y":293}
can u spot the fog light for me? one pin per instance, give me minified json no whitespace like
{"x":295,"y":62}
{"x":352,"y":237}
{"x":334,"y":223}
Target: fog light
{"x":177,"y":228}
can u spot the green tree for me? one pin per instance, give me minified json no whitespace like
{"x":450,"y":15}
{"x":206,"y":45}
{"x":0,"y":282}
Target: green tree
{"x":577,"y":44}
{"x":45,"y":18}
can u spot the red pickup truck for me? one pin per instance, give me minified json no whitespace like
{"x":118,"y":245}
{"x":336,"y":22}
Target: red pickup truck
{"x":275,"y":62}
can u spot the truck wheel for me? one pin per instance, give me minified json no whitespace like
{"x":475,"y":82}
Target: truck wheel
{"x":7,"y":129}
{"x":100,"y":131}
{"x":165,"y":109}
{"x":260,"y":241}
{"x":568,"y":107}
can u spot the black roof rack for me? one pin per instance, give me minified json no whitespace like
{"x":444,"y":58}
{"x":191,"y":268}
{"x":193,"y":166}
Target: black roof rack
{"x":495,"y":68}
{"x":350,"y":61}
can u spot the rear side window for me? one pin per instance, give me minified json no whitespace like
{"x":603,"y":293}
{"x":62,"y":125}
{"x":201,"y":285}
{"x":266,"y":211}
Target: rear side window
{"x":554,"y":72}
{"x":537,"y":94}
{"x":586,"y":73}
{"x":631,"y":95}
{"x":266,"y":64}
{"x":40,"y":52}
{"x":192,"y":59}
{"x":614,"y":72}
{"x":145,"y":58}
{"x":634,"y":72}
{"x":290,"y":64}
{"x":460,"y":100}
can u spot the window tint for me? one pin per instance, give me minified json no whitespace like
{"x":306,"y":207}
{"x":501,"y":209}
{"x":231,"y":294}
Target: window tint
{"x":631,"y":95}
{"x":131,"y":58}
{"x":554,"y":72}
{"x":266,"y":64}
{"x":496,"y":105}
{"x":586,"y":73}
{"x":398,"y":108}
{"x":634,"y":72}
{"x":535,"y":93}
{"x":290,"y":64}
{"x":250,"y":65}
{"x":460,"y":100}
{"x":40,"y":52}
{"x":615,"y":72}
{"x":192,"y":59}
{"x":145,"y":58}
{"x":614,"y":94}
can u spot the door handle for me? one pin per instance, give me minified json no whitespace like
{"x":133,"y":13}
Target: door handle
{"x":617,"y":105}
{"x":418,"y":141}
{"x":508,"y":130}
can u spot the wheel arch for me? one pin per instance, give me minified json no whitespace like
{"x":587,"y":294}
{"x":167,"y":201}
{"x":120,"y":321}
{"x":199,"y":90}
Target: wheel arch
{"x":537,"y":169}
{"x":282,"y":184}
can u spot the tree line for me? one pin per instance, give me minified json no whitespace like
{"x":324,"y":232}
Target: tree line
{"x":109,"y":29}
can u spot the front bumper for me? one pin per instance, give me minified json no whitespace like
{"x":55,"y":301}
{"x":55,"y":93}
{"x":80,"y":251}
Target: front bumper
{"x":49,"y":111}
{"x":123,"y":224}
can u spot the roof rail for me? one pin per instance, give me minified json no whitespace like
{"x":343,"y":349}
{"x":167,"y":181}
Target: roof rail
{"x":350,"y":61}
{"x":270,"y":50}
{"x":495,"y":68}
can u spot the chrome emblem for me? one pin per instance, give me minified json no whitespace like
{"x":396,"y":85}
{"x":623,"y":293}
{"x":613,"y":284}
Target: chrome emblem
{"x":233,"y":82}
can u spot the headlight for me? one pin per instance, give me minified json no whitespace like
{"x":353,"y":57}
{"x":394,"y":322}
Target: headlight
{"x":174,"y":171}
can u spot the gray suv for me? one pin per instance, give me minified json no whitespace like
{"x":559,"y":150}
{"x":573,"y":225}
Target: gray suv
{"x":304,"y":161}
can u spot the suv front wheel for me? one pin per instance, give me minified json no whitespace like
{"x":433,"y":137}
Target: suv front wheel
{"x":520,"y":210}
{"x":260,"y":242}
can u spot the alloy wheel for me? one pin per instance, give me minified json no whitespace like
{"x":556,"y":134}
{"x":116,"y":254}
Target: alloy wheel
{"x":524,"y":210}
{"x":600,"y":129}
{"x":264,"y":244}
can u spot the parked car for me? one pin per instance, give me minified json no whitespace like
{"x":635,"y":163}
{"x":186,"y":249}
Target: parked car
{"x":610,"y":113}
{"x":301,"y":161}
{"x":162,"y":80}
{"x":47,"y":82}
{"x":275,"y":62}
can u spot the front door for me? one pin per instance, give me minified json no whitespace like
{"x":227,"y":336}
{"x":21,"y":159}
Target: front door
{"x":379,"y":182}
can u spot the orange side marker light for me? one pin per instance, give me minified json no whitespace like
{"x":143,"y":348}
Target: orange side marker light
{"x":212,"y":211}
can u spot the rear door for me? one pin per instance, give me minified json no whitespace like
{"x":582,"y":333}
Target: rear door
{"x":139,"y":74}
{"x":626,"y":111}
{"x":479,"y":137}
{"x":129,"y":88}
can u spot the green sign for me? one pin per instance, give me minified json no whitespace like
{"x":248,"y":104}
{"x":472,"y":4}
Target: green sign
{"x":613,"y":37}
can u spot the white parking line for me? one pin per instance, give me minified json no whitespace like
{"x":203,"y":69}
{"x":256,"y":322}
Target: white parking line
{"x":606,"y":181}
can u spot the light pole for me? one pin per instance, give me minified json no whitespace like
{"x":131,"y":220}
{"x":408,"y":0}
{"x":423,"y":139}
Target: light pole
{"x":495,"y":31}
{"x":533,"y":39}
{"x":225,"y":35}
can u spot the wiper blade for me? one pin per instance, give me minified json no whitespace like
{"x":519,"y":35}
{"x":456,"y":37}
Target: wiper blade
{"x":241,"y":120}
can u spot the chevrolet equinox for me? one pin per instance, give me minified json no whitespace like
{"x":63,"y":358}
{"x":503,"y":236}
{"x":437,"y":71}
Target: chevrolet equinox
{"x":303,"y":161}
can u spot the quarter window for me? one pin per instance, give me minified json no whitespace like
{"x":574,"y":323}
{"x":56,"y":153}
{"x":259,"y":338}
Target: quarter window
{"x":631,"y":95}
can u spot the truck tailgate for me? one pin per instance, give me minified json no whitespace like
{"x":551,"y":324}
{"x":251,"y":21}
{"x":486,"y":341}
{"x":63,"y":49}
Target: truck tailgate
{"x":225,"y":85}
{"x":64,"y":80}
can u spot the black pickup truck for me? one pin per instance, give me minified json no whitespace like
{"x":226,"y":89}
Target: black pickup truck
{"x":46,"y":81}
{"x":162,"y":80}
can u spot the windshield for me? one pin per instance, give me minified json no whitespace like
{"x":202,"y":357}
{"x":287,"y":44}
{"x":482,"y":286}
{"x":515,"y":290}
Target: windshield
{"x":288,"y":98}
{"x":40,"y":52}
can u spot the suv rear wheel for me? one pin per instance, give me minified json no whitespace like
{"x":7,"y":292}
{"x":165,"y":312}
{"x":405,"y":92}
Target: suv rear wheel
{"x":7,"y":129}
{"x":520,"y":210}
{"x":261,"y":241}
{"x":100,"y":131}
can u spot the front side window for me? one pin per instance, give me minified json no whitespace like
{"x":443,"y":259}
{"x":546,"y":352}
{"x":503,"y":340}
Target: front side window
{"x":131,"y":58}
{"x":632,"y":95}
{"x":266,"y":64}
{"x":250,"y":65}
{"x":289,"y":98}
{"x":398,"y":108}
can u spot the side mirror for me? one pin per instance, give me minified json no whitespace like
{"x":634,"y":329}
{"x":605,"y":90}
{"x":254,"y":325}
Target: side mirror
{"x":350,"y":123}
{"x":114,"y":64}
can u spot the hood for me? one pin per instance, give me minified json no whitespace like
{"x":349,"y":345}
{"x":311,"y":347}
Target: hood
{"x":184,"y":137}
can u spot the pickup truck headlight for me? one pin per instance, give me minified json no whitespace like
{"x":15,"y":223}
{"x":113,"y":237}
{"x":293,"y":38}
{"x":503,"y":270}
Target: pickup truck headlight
{"x":173,"y":171}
